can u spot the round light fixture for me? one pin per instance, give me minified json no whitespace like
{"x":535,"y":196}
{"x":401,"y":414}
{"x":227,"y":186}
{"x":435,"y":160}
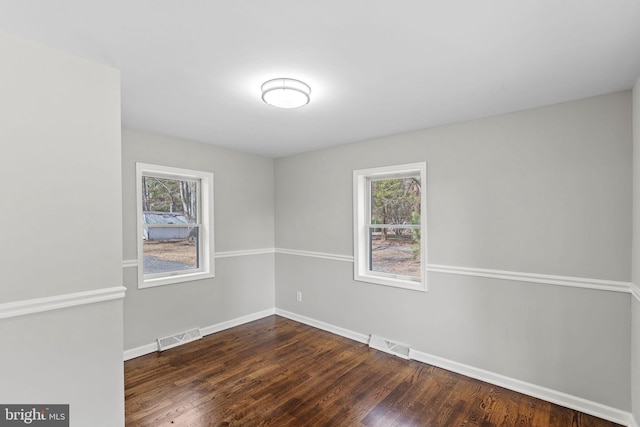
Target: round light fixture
{"x":286,"y":93}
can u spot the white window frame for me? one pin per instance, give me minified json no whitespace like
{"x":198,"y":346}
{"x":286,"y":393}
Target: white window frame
{"x":362,"y":222}
{"x":205,"y":211}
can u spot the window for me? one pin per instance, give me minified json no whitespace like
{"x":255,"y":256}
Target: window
{"x":390,"y":225}
{"x":175,"y":225}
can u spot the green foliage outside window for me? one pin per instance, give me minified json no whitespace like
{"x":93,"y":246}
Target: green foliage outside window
{"x":396,"y":202}
{"x":169,"y":195}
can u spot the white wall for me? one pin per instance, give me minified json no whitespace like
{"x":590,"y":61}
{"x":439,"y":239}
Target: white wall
{"x":243,"y":221}
{"x":61,"y":228}
{"x":635,"y":305}
{"x":544,"y":191}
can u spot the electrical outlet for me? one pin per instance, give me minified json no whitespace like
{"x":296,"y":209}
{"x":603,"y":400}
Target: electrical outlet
{"x":299,"y":296}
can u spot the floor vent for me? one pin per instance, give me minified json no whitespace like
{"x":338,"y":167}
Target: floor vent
{"x":179,"y":339}
{"x":383,"y":344}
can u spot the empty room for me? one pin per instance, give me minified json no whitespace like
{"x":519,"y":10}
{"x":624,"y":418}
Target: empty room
{"x":291,"y":213}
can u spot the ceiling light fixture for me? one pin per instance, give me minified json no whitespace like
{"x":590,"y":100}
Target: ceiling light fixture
{"x":286,"y":93}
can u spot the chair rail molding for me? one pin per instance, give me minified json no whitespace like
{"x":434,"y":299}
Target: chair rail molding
{"x":517,"y":276}
{"x":38,"y":305}
{"x":132,"y":263}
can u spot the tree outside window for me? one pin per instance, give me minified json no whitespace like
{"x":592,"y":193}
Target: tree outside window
{"x":175,"y":219}
{"x":389,"y":225}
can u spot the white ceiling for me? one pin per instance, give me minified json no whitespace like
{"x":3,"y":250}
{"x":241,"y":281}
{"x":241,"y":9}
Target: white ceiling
{"x":376,"y":67}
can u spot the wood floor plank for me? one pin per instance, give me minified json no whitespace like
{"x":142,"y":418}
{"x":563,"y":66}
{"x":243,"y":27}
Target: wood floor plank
{"x":277,"y":372}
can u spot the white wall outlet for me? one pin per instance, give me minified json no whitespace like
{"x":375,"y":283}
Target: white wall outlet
{"x":299,"y":296}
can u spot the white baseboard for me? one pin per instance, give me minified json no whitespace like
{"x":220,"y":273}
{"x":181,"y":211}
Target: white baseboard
{"x":237,"y":321}
{"x":553,"y":396}
{"x":559,"y":398}
{"x":362,"y":338}
{"x":140,"y":351}
{"x":207,"y":330}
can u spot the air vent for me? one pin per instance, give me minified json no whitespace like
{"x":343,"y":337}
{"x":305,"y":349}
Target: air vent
{"x":179,"y":339}
{"x":388,"y":346}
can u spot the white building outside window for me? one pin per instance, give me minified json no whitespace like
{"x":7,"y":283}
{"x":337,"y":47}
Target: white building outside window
{"x":175,"y":225}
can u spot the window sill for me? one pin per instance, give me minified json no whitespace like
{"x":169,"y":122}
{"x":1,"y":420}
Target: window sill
{"x":161,"y":281}
{"x":393,"y":282}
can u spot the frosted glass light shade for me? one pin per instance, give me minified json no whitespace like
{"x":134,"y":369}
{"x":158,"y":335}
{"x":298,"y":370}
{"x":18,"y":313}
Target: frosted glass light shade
{"x":286,"y":93}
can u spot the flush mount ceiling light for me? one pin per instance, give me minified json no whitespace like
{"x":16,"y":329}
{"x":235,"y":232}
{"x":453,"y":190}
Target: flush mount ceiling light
{"x":286,"y":93}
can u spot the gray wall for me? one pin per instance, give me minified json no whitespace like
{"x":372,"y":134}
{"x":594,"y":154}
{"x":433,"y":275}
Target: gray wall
{"x":544,"y":191}
{"x":243,"y":220}
{"x":635,"y":305}
{"x":61,"y":228}
{"x":541,"y":191}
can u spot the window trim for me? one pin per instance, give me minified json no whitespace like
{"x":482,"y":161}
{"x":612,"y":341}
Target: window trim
{"x":205,"y":210}
{"x":361,"y":226}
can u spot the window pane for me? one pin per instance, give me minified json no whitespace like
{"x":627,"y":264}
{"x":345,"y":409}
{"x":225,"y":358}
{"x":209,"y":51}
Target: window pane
{"x":400,"y":256}
{"x":395,"y":201}
{"x":169,"y":196}
{"x":170,"y":249}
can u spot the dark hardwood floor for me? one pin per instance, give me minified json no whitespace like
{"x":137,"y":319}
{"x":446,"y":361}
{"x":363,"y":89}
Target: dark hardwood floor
{"x":277,"y":372}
